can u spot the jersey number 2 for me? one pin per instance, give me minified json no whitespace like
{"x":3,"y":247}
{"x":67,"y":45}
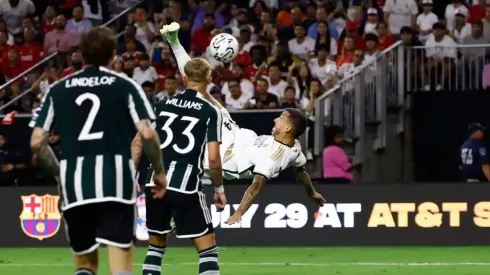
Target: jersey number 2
{"x":87,"y":126}
{"x":187,"y":132}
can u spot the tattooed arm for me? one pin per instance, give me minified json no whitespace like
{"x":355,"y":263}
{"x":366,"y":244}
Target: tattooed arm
{"x":136,"y":150}
{"x":151,"y":145}
{"x":258,"y":182}
{"x":44,"y":153}
{"x":303,"y":178}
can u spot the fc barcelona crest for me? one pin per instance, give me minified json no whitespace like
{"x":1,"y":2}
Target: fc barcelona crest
{"x":40,"y":217}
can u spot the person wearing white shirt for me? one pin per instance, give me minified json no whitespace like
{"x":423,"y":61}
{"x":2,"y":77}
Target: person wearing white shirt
{"x":246,"y":85}
{"x":242,"y":22}
{"x":246,"y":38}
{"x":318,"y":65}
{"x":441,"y":54}
{"x":145,"y":72}
{"x":400,"y":13}
{"x":145,"y":30}
{"x":323,"y":37}
{"x":450,"y":10}
{"x":277,"y":86}
{"x":236,"y":99}
{"x":301,"y":44}
{"x":372,"y":51}
{"x":461,"y":28}
{"x":170,"y":89}
{"x":426,"y":20}
{"x":372,"y":21}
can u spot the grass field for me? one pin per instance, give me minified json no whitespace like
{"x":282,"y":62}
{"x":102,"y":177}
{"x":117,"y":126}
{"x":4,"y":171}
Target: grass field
{"x":277,"y":261}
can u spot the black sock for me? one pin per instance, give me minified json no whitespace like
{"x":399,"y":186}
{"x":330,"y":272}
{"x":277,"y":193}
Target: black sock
{"x":153,"y":260}
{"x":208,"y":261}
{"x":84,"y":271}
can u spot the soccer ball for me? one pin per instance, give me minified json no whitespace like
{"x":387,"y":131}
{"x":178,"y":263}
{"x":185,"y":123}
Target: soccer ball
{"x":224,"y":47}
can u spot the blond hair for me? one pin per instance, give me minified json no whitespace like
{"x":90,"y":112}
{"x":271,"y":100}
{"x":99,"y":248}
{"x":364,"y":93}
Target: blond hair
{"x":197,"y":70}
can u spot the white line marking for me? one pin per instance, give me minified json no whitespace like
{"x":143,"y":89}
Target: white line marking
{"x":278,"y":264}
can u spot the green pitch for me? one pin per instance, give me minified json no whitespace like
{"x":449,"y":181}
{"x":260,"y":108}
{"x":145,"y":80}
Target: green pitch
{"x":275,"y":261}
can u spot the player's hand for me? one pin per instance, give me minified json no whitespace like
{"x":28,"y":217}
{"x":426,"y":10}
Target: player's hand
{"x":318,"y":199}
{"x":236,"y":217}
{"x":160,"y":187}
{"x":220,"y":201}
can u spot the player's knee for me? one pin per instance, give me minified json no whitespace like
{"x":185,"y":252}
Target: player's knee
{"x":158,"y":240}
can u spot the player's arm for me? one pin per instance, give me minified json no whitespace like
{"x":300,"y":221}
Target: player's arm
{"x":136,"y":149}
{"x":150,"y":144}
{"x":42,"y":121}
{"x":252,"y":192}
{"x":214,"y":140}
{"x":303,"y":178}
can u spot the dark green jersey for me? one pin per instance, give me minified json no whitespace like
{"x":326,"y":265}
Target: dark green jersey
{"x":185,"y":123}
{"x":95,"y":112}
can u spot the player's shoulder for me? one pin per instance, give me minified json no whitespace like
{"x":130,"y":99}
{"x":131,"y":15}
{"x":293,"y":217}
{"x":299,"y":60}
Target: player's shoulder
{"x":120,"y":78}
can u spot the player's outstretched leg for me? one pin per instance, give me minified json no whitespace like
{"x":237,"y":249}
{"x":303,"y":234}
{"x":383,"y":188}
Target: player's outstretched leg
{"x":208,"y":254}
{"x":171,"y":34}
{"x":157,"y":245}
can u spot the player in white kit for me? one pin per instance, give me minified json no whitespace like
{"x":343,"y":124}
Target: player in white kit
{"x":245,"y":155}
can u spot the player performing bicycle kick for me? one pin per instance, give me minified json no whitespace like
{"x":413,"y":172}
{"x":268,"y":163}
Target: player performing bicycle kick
{"x":244,"y":154}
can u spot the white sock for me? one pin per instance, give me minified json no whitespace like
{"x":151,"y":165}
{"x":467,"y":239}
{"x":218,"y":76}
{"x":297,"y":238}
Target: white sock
{"x":181,"y":56}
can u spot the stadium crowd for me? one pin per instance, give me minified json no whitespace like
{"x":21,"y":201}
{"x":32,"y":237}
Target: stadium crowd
{"x":290,"y":51}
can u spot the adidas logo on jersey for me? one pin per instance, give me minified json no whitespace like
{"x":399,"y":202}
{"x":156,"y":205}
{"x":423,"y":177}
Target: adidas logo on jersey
{"x":90,"y":81}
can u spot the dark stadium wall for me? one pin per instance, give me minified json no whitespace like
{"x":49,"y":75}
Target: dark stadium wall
{"x":356,"y":215}
{"x":439,"y":121}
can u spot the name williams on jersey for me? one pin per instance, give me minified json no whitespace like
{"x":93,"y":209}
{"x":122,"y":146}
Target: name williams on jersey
{"x":181,"y":103}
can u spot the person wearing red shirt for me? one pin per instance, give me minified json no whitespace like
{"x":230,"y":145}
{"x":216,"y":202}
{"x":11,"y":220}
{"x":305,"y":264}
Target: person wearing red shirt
{"x":76,"y":65}
{"x":48,"y":20}
{"x":4,"y":47}
{"x":385,"y":39}
{"x":202,"y":37}
{"x":11,"y":66}
{"x":346,"y":55}
{"x":477,"y":11}
{"x":164,"y":69}
{"x":243,"y":57}
{"x":131,"y":51}
{"x":30,"y":52}
{"x":259,"y":57}
{"x":352,"y":30}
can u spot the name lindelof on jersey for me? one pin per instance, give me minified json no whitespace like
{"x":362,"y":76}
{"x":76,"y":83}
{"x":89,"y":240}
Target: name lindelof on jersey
{"x":90,"y":81}
{"x":181,"y":103}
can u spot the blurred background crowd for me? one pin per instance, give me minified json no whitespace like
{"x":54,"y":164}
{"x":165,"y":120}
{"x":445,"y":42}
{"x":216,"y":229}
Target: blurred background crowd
{"x":290,"y":51}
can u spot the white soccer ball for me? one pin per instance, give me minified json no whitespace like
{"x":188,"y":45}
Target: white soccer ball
{"x":224,"y":47}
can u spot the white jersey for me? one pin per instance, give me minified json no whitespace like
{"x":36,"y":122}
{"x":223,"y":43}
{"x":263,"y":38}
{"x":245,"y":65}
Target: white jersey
{"x":244,"y":154}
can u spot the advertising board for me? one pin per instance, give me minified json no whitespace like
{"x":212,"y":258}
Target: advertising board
{"x":355,"y":215}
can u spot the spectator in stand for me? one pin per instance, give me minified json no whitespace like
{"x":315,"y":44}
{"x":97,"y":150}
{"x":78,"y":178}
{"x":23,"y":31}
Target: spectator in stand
{"x":311,"y":9}
{"x":12,"y":66}
{"x":76,"y":64}
{"x":299,"y":77}
{"x":242,"y":23}
{"x":13,"y":11}
{"x":323,"y":37}
{"x":41,"y":85}
{"x":349,"y":68}
{"x":289,"y":100}
{"x":336,"y":165}
{"x":164,"y":68}
{"x":372,"y":51}
{"x":473,"y":58}
{"x":265,"y":25}
{"x":400,"y":13}
{"x":214,"y":92}
{"x":386,"y":39}
{"x":276,"y":84}
{"x":287,"y":32}
{"x":352,"y":30}
{"x":257,"y":10}
{"x":28,"y":23}
{"x":60,"y":40}
{"x":130,"y":35}
{"x":450,"y":11}
{"x":20,"y":106}
{"x":371,"y":21}
{"x":118,"y":65}
{"x":315,"y":91}
{"x":346,"y":55}
{"x":238,"y":73}
{"x":477,"y":11}
{"x":3,"y":28}
{"x":7,"y":162}
{"x":31,"y":53}
{"x":426,"y":20}
{"x":202,"y":37}
{"x":4,"y":46}
{"x":271,"y":4}
{"x":48,"y":21}
{"x":258,"y":54}
{"x":284,"y":58}
{"x":203,"y":10}
{"x":486,"y":23}
{"x":132,"y":51}
{"x":145,"y":30}
{"x":149,"y":89}
{"x":461,"y":28}
{"x":245,"y":38}
{"x":145,"y":72}
{"x":235,"y":99}
{"x":441,"y":52}
{"x":262,"y":98}
{"x":319,"y":64}
{"x":171,"y":88}
{"x":78,"y":24}
{"x":322,"y":16}
{"x":301,"y":44}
